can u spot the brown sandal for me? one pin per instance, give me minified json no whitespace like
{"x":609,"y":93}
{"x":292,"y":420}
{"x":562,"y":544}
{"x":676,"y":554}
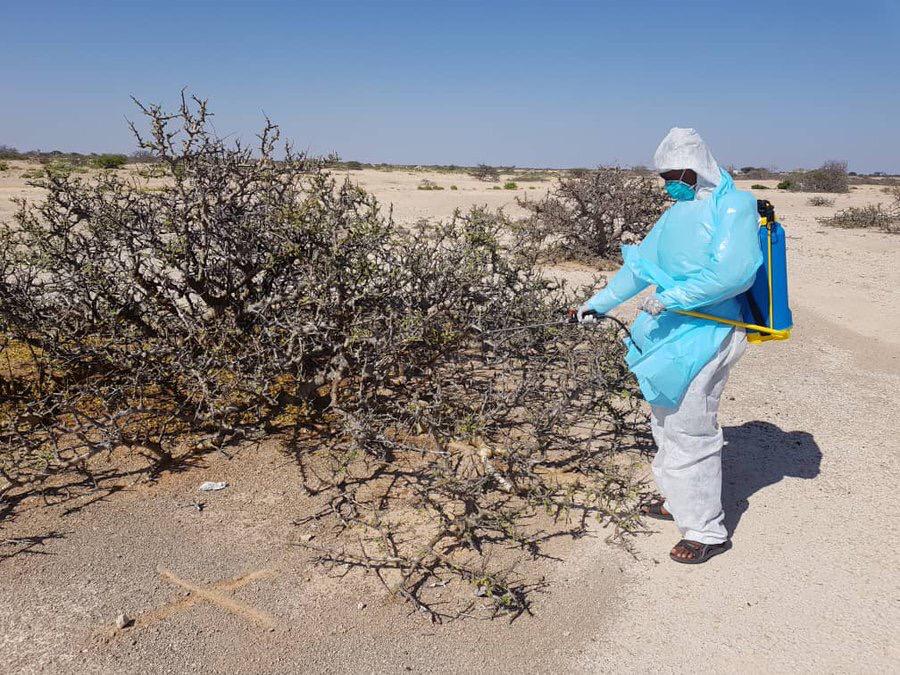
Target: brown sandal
{"x":700,"y":552}
{"x":654,"y":509}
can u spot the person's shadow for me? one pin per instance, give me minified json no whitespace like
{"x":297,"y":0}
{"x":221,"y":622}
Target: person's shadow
{"x":759,"y":454}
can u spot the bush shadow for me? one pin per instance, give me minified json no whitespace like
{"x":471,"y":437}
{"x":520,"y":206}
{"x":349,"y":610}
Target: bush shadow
{"x":760,"y":454}
{"x":31,"y":545}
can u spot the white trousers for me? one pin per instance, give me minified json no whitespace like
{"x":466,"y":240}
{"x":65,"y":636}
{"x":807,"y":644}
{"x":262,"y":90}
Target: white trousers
{"x":688,"y":463}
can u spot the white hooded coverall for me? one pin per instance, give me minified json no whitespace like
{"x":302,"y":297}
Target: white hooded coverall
{"x":688,"y":463}
{"x":700,"y":255}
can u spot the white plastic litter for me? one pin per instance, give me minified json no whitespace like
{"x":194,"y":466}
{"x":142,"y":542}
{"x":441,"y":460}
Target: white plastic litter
{"x":210,"y":486}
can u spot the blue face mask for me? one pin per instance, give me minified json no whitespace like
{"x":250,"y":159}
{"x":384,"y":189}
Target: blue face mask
{"x":680,"y":191}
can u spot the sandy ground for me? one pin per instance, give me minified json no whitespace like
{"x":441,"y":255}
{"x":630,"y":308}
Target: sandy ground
{"x":810,"y":467}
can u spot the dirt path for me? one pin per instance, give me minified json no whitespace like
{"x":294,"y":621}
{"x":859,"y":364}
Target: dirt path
{"x":811,"y":470}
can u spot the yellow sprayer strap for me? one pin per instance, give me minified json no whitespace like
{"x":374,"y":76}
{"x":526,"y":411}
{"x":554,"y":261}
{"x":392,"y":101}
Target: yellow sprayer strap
{"x":771,"y":287}
{"x":758,"y":333}
{"x":770,"y":333}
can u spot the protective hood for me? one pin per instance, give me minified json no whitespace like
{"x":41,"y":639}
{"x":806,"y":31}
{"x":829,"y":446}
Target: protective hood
{"x":684,"y":149}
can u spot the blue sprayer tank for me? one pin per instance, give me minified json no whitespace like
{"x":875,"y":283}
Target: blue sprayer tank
{"x":766,"y":302}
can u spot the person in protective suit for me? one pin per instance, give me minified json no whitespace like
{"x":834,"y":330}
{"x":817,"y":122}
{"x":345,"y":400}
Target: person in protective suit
{"x":700,"y":255}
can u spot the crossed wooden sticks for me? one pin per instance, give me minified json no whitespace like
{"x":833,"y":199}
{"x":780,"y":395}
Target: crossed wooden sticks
{"x":214,"y":595}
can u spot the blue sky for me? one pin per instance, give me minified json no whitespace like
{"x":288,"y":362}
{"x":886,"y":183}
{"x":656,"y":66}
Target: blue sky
{"x":785,"y":84}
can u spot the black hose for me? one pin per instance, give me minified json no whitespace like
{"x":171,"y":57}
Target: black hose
{"x":573,"y":319}
{"x":618,"y":322}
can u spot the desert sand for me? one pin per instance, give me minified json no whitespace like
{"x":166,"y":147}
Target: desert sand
{"x":811,"y":468}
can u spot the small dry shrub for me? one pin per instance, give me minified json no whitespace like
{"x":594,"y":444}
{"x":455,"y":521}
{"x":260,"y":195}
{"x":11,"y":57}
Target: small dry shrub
{"x":530,"y":176}
{"x":486,"y":173}
{"x":32,"y":173}
{"x":151,"y":170}
{"x":820,"y":201}
{"x":870,"y":217}
{"x":428,"y":185}
{"x":589,"y":215}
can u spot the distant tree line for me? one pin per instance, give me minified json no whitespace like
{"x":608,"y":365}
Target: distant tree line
{"x":106,"y":160}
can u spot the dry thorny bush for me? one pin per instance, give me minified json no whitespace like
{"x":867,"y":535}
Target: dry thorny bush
{"x":830,"y":177}
{"x":485,"y":172}
{"x":590,"y":214}
{"x":871,"y":216}
{"x":250,"y":296}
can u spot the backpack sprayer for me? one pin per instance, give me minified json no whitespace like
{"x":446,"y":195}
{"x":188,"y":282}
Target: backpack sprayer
{"x":765,"y":305}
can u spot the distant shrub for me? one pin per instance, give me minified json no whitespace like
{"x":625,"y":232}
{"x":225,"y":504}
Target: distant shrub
{"x":141,"y":157}
{"x":820,"y":201}
{"x":589,"y":217}
{"x":880,"y":181}
{"x":55,"y":168}
{"x":746,"y":172}
{"x":509,"y":185}
{"x":869,"y":217}
{"x":531,"y":176}
{"x":152,"y":171}
{"x":353,"y":166}
{"x":9,"y":152}
{"x":785,"y":185}
{"x":830,"y":177}
{"x":429,"y":185}
{"x":759,"y":186}
{"x":453,"y":187}
{"x":485,"y":173}
{"x":4,"y":166}
{"x":62,"y":168}
{"x":642,"y":170}
{"x":108,"y":161}
{"x":755,"y":173}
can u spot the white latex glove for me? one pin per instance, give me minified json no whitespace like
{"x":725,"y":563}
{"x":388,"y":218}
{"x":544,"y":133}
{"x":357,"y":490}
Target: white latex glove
{"x":583,"y":316}
{"x":652,"y":306}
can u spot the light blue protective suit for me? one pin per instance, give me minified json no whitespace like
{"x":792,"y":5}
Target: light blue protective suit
{"x":699,"y":255}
